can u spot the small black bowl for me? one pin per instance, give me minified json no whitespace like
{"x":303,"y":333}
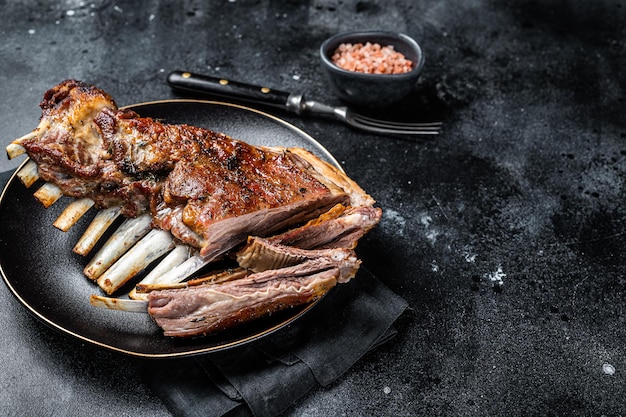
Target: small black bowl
{"x":372,"y":90}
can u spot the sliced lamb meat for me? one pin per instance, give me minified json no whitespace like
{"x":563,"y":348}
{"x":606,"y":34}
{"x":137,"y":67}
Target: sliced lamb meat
{"x":204,"y":309}
{"x":262,"y":254}
{"x":340,"y":227}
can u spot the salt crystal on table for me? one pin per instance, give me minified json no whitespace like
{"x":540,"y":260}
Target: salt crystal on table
{"x":608,"y":369}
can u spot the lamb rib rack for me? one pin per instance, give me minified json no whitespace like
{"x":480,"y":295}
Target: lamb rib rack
{"x":208,"y":190}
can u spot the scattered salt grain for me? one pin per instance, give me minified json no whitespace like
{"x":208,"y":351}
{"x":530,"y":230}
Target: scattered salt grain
{"x":387,"y":390}
{"x":470,"y":257}
{"x":497,"y":276}
{"x":371,"y":58}
{"x":425,"y":220}
{"x":31,"y":31}
{"x":608,"y":369}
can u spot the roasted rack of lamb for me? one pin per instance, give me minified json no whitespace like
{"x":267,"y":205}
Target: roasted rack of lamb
{"x":192,"y":196}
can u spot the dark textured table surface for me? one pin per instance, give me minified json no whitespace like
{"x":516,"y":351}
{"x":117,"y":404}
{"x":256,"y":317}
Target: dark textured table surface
{"x":505,"y":233}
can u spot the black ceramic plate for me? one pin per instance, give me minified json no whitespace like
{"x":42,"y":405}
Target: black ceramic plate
{"x":40,"y":269}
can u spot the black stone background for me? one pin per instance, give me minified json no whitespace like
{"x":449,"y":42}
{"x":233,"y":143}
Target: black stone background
{"x":504,"y":233}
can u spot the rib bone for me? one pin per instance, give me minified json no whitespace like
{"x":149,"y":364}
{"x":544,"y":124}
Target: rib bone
{"x":28,"y":174}
{"x":30,"y":135}
{"x":184,"y":270}
{"x":96,"y":229}
{"x":15,"y":149}
{"x":155,"y":244}
{"x":141,"y":305}
{"x":126,"y":236}
{"x":217,"y":278}
{"x":72,"y":213}
{"x":48,"y":194}
{"x":131,"y":306}
{"x":177,"y":256}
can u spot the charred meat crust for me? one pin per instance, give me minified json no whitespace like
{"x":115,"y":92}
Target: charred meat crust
{"x":190,"y":179}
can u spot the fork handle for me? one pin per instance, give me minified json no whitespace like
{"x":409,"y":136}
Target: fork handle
{"x":221,"y":87}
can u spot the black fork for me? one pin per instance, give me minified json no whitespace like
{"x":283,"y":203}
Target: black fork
{"x":294,"y":103}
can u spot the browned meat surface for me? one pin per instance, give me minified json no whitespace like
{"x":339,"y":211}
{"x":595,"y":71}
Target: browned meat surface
{"x":211,"y":191}
{"x":217,"y":189}
{"x":69,"y":150}
{"x":204,"y":309}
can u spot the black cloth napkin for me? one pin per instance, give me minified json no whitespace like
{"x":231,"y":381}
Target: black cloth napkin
{"x":266,"y":377}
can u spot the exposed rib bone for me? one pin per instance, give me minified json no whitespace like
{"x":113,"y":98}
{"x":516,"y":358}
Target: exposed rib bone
{"x":131,"y":306}
{"x":176,"y":257}
{"x":72,"y":213}
{"x":29,"y":135}
{"x":142,"y":290}
{"x":126,"y":236}
{"x":96,"y":229}
{"x":147,"y":250}
{"x":224,"y":276}
{"x":48,"y":194}
{"x":184,"y":270}
{"x":28,"y":174}
{"x":14,"y":150}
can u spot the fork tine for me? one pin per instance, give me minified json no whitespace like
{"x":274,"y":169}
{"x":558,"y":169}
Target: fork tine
{"x":396,"y":125}
{"x":382,"y":126}
{"x":395,"y":130}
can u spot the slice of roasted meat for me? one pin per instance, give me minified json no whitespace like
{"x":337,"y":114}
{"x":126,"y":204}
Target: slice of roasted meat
{"x":204,"y":309}
{"x":339,"y":227}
